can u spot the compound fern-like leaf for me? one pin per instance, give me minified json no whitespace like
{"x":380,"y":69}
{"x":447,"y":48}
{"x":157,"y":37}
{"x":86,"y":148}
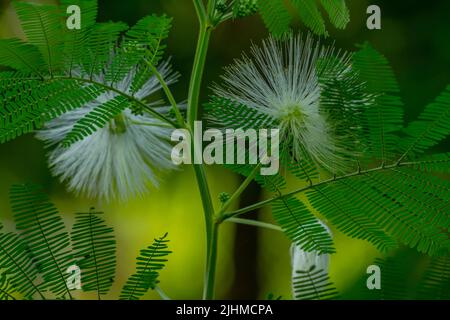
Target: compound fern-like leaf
{"x":150,"y":261}
{"x":314,"y":284}
{"x":45,"y":235}
{"x":94,"y":248}
{"x":15,"y":258}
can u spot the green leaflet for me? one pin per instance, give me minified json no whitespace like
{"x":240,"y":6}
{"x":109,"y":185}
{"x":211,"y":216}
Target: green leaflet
{"x":432,"y":126}
{"x":340,"y":210}
{"x":20,"y":56}
{"x":44,"y":232}
{"x":434,"y":163}
{"x":150,"y":261}
{"x":95,"y":119}
{"x":337,"y":11}
{"x":435,"y":283}
{"x":275,"y":15}
{"x":100,"y":46}
{"x":398,"y":276}
{"x":227,"y":114}
{"x":6,"y":292}
{"x":394,"y":215}
{"x":21,"y":270}
{"x":74,"y":41}
{"x":313,"y":285}
{"x":345,"y":100}
{"x":301,"y":226}
{"x":148,"y":36}
{"x":94,"y":247}
{"x":395,"y":275}
{"x":28,"y":104}
{"x":384,"y":118}
{"x":43,"y":27}
{"x":311,"y":16}
{"x":277,"y":18}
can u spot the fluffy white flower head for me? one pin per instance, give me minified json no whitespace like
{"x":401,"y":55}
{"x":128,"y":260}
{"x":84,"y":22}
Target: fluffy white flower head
{"x":120,"y":161}
{"x":280,"y":80}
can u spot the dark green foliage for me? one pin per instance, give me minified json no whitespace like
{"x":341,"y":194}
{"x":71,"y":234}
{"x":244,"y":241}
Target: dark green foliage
{"x":439,"y":163}
{"x":384,"y":118}
{"x":44,"y":232}
{"x":6,"y":293}
{"x":58,"y":70}
{"x":345,"y":99}
{"x":395,"y":275}
{"x":150,"y":261}
{"x":34,"y":262}
{"x":28,"y":104}
{"x":243,"y":8}
{"x":22,"y":271}
{"x":404,"y":278}
{"x":435,"y":284}
{"x":300,"y":225}
{"x":432,"y":126}
{"x":343,"y":213}
{"x":310,"y":15}
{"x":20,"y":56}
{"x":314,"y":284}
{"x":393,"y":214}
{"x":43,"y":28}
{"x":228,"y":114}
{"x":94,"y":249}
{"x":337,"y":11}
{"x":277,"y":18}
{"x":95,"y":119}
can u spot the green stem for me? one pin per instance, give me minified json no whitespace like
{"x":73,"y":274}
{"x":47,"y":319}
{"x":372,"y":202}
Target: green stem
{"x":239,"y":191}
{"x":255,"y":224}
{"x":168,"y":93}
{"x":208,"y":293}
{"x":192,"y":115}
{"x":201,"y":11}
{"x":197,"y":72}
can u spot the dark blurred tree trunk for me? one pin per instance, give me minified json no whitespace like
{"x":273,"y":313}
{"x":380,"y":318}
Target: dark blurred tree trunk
{"x":245,"y":282}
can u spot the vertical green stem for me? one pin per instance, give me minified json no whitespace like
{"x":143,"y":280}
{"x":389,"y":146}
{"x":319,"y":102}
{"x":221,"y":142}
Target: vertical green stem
{"x":208,"y":293}
{"x":193,"y":108}
{"x":197,"y":72}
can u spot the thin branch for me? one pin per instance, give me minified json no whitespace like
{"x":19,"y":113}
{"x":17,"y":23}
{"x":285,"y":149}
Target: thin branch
{"x":239,"y":191}
{"x":201,"y":11}
{"x":168,"y":93}
{"x":161,"y":293}
{"x":255,"y":224}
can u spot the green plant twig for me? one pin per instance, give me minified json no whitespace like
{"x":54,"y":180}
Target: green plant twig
{"x":255,"y":223}
{"x":168,"y":93}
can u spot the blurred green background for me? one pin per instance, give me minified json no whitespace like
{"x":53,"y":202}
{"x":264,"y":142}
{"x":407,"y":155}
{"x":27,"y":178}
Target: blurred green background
{"x":415,"y":39}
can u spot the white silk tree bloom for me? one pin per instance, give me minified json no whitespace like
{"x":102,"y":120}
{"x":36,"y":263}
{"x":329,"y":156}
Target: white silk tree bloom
{"x":119,"y":161}
{"x":280,"y":80}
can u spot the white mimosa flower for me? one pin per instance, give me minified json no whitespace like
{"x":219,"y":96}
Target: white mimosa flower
{"x":121,"y":160}
{"x":280,"y":80}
